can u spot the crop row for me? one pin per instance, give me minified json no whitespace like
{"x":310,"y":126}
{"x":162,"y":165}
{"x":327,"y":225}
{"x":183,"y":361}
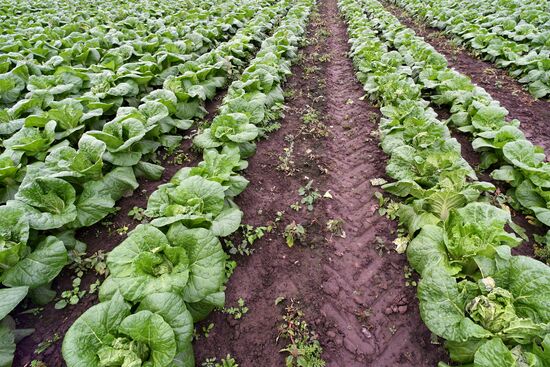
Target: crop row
{"x":73,"y":188}
{"x":514,"y":37}
{"x":171,"y":272}
{"x":501,"y":143}
{"x":489,"y":306}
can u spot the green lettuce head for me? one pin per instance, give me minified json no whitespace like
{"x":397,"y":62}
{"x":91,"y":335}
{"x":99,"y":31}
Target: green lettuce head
{"x":187,"y":262}
{"x":196,"y":202}
{"x":158,"y":334}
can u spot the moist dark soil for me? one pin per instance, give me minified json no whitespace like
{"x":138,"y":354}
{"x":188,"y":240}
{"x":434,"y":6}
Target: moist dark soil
{"x":533,"y":113}
{"x":352,"y":290}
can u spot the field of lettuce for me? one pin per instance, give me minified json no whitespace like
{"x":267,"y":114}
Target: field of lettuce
{"x":274,"y":183}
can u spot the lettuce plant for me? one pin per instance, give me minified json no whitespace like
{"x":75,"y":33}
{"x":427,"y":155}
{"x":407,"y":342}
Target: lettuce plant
{"x":508,"y":307}
{"x":157,"y":334}
{"x":189,"y":262}
{"x":48,"y":202}
{"x":218,"y":167}
{"x":195,"y":202}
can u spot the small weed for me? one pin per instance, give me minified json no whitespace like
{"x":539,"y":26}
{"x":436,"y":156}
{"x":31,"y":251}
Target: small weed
{"x":237,"y":312}
{"x":286,"y":163}
{"x":373,"y":118}
{"x":294,"y":233}
{"x":408,"y":273}
{"x":71,"y":297}
{"x":309,"y":195}
{"x":80,"y":266}
{"x":542,"y":247}
{"x":122,"y":230}
{"x":311,"y":116}
{"x":228,"y":361}
{"x":324,"y":58}
{"x":96,"y":262}
{"x":388,"y":208}
{"x":364,"y":315}
{"x":44,"y":345}
{"x":324,"y":33}
{"x":230,"y":266}
{"x":137,"y":213}
{"x":335,"y":226}
{"x":205,"y":331}
{"x":289,"y":93}
{"x":303,"y":348}
{"x":312,"y":123}
{"x":392,"y":329}
{"x":249,"y":235}
{"x":381,"y":246}
{"x":296,"y":206}
{"x":33,"y":311}
{"x":310,"y":69}
{"x":37,"y":363}
{"x":179,"y":158}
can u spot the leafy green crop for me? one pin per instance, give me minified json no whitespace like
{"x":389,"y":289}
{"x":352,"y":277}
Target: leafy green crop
{"x":514,"y":35}
{"x":170,"y":273}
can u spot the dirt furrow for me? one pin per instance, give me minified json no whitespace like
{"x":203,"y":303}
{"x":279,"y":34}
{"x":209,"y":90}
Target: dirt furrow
{"x":368,"y":303}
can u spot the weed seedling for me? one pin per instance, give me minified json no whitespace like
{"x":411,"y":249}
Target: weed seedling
{"x":309,"y":195}
{"x":303,"y":348}
{"x":335,"y":227}
{"x":45,"y":344}
{"x":122,"y":230}
{"x":228,"y":361}
{"x":205,"y":331}
{"x":294,"y":233}
{"x":286,"y":163}
{"x":408,"y":273}
{"x":237,"y":312}
{"x":249,"y":235}
{"x":137,"y":213}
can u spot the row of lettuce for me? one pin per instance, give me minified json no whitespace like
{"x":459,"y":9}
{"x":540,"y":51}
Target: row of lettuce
{"x":513,"y":34}
{"x":490,"y":307}
{"x":75,"y":188}
{"x":501,"y":143}
{"x":47,"y":105}
{"x":171,"y":272}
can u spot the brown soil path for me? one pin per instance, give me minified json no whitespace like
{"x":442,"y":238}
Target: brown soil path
{"x":533,"y":113}
{"x":352,"y":289}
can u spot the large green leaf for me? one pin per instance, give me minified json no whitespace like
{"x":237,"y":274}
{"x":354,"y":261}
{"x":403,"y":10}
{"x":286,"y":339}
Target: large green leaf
{"x":442,"y":307}
{"x":206,"y":260}
{"x":146,"y":263}
{"x":10,"y":298}
{"x":39,"y":267}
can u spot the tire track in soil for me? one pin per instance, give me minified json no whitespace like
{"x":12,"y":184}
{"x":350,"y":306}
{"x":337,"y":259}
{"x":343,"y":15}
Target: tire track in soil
{"x":361,"y":281}
{"x":533,"y":113}
{"x":353,"y":297}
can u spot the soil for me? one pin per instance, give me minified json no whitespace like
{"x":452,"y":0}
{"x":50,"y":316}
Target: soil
{"x":533,"y":113}
{"x":352,"y":288}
